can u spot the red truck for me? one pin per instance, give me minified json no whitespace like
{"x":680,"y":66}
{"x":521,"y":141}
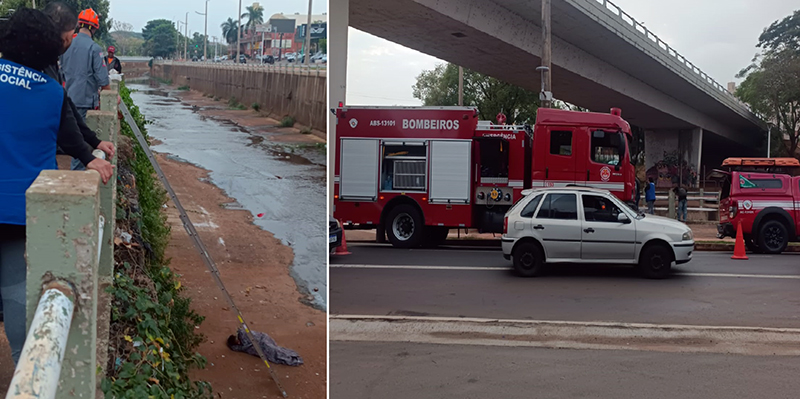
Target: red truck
{"x":413,"y":173}
{"x":766,"y":204}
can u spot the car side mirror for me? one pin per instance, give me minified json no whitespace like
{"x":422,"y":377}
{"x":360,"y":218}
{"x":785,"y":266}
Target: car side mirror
{"x":623,"y":218}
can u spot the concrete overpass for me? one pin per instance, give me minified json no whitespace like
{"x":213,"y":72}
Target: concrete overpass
{"x":601,"y":57}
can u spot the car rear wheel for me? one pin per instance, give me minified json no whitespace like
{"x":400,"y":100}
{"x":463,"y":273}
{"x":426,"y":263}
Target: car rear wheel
{"x":404,"y":226}
{"x":655,"y":262}
{"x":773,"y":237}
{"x":528,"y":259}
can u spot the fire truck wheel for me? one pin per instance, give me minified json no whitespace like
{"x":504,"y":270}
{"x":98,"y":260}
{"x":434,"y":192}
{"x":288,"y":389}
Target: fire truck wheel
{"x":404,"y":226}
{"x":655,"y":261}
{"x":773,"y":237}
{"x":528,"y":259}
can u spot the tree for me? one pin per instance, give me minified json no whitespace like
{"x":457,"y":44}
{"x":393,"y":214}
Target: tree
{"x":323,"y":46}
{"x":439,"y":87}
{"x":99,"y":6}
{"x":772,"y":82}
{"x":196,"y":44}
{"x":254,"y":15}
{"x":159,"y":38}
{"x":230,"y":30}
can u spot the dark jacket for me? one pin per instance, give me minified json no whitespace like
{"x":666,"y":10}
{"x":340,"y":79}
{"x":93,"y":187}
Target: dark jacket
{"x":89,"y":136}
{"x":113,"y":63}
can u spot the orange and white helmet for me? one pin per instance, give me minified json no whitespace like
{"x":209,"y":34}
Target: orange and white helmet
{"x":89,"y":17}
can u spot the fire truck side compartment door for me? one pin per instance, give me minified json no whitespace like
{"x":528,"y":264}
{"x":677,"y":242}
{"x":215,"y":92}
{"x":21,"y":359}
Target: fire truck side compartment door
{"x":359,"y":169}
{"x":451,"y":170}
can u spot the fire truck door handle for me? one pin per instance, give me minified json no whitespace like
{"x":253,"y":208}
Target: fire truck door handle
{"x":546,"y":173}
{"x":538,"y":227}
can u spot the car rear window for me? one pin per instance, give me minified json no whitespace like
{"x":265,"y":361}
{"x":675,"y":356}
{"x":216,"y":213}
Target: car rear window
{"x":759,"y":183}
{"x":559,"y":206}
{"x":529,"y":209}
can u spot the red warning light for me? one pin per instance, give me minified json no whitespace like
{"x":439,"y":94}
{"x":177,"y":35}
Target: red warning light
{"x":341,"y":104}
{"x":616,"y":112}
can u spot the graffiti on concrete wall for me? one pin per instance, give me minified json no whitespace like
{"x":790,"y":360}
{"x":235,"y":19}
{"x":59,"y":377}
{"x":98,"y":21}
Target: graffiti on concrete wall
{"x":672,"y":169}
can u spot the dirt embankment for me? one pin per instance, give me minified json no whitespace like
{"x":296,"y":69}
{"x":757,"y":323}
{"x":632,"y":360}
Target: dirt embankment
{"x":255,"y":268}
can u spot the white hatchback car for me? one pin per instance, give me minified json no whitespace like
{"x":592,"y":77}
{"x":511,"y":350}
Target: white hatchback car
{"x":585,"y":225}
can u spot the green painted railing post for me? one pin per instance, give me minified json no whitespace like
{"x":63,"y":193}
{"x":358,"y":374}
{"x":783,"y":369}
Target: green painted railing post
{"x":107,"y":126}
{"x":63,"y":229}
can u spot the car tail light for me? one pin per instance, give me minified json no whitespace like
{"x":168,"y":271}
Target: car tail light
{"x":734,"y":208}
{"x":505,"y":225}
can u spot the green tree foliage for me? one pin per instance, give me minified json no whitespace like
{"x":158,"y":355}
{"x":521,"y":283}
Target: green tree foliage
{"x":99,"y":6}
{"x":772,"y":83}
{"x":159,"y":38}
{"x":254,"y":15}
{"x":230,"y":29}
{"x":323,"y":45}
{"x":492,"y":96}
{"x":196,"y":44}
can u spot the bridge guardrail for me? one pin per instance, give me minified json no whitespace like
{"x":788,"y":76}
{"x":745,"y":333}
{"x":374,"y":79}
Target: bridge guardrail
{"x":316,"y":69}
{"x":70,"y":220}
{"x":639,"y":28}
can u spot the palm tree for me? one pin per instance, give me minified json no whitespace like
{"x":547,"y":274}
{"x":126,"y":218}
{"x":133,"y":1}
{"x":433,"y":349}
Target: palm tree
{"x":230,"y":29}
{"x":255,"y":16}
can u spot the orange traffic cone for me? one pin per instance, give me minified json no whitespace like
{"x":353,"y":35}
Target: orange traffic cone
{"x":738,"y":249}
{"x":342,"y":249}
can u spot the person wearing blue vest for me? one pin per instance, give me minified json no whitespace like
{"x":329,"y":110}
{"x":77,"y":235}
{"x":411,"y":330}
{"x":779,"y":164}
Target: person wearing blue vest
{"x":34,"y":118}
{"x":650,"y":196}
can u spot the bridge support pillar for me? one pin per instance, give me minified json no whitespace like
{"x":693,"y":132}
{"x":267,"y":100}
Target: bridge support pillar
{"x":63,"y":229}
{"x":338,"y":24}
{"x":107,"y":126}
{"x":673,"y":157}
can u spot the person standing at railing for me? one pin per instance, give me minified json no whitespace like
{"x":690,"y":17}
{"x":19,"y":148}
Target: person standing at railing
{"x":113,"y":61}
{"x":65,"y":19}
{"x":33,"y":108}
{"x":680,"y":192}
{"x":85,"y":69}
{"x":650,"y":196}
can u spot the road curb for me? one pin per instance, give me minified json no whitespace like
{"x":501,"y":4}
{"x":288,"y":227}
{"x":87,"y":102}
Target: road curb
{"x":486,"y":243}
{"x":754,"y":341}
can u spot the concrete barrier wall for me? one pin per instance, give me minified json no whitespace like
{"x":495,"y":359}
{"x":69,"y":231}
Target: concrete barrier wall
{"x":135,"y":69}
{"x":302,"y":96}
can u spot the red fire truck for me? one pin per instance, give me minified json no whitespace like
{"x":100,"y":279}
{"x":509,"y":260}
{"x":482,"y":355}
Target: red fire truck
{"x":415,"y":172}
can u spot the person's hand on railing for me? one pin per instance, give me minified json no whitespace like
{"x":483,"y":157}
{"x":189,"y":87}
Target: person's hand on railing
{"x":108,"y":148}
{"x":103,"y":167}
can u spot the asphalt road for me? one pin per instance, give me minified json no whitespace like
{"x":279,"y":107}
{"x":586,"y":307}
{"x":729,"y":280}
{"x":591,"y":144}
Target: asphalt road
{"x":365,"y":370}
{"x":711,"y":293}
{"x":712,"y":289}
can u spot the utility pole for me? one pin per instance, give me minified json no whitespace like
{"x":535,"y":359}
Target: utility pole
{"x":546,"y":95}
{"x":239,"y":34}
{"x":178,"y":39}
{"x":307,"y":44}
{"x":460,"y":86}
{"x":769,"y":140}
{"x":186,"y":38}
{"x":205,"y":33}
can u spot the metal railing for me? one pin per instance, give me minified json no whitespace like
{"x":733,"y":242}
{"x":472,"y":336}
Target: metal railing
{"x":702,"y":79}
{"x":298,"y":69}
{"x":70,"y":257}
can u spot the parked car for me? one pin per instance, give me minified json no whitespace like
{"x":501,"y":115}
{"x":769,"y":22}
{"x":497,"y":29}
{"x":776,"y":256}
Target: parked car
{"x":334,"y":233}
{"x":290,"y":57}
{"x":323,"y":59}
{"x":586,"y":225}
{"x":317,"y":56}
{"x":266,"y":58}
{"x":242,"y":59}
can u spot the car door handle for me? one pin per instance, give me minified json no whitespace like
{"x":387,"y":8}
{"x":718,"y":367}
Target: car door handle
{"x":538,"y":227}
{"x":589,"y":230}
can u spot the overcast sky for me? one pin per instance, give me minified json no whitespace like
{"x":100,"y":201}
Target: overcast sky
{"x":718,"y":36}
{"x":138,"y":12}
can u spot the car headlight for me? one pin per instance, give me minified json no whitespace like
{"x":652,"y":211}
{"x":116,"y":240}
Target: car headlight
{"x":687,"y":236}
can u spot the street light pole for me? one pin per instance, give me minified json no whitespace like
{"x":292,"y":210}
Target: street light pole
{"x":186,"y":38}
{"x":205,"y":33}
{"x":546,"y":96}
{"x":460,"y":86}
{"x":308,"y":34}
{"x":239,"y":34}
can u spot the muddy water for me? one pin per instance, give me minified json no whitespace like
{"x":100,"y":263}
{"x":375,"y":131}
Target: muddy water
{"x":286,"y":183}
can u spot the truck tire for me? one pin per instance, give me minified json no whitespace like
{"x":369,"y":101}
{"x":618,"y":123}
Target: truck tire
{"x":655,"y":262}
{"x":435,"y":236}
{"x":773,"y":237}
{"x":528,"y":259}
{"x":404,"y":226}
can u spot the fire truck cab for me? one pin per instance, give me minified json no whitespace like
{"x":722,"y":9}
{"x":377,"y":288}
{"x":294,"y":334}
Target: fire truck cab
{"x":413,"y":173}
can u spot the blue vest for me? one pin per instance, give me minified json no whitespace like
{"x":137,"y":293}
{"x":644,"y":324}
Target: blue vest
{"x":30,"y":116}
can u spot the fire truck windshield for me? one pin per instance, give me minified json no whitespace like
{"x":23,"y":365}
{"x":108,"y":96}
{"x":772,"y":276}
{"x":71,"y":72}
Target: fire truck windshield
{"x":609,"y":147}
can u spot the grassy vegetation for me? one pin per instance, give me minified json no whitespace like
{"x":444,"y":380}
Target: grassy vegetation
{"x":233,"y":103}
{"x":287,"y":121}
{"x":184,"y":88}
{"x":256,"y":107}
{"x":153,"y":325}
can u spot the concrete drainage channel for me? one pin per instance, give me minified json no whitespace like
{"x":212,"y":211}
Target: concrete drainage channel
{"x":754,"y":341}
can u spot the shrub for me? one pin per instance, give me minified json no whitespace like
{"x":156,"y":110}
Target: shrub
{"x":287,"y":121}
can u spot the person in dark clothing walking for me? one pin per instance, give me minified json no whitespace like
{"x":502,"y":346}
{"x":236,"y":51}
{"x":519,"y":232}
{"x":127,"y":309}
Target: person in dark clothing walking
{"x":33,"y":109}
{"x":65,"y":19}
{"x":112,"y":61}
{"x":681,"y":193}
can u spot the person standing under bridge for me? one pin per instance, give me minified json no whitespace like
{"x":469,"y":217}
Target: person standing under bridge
{"x":33,"y":107}
{"x":650,"y":196}
{"x":85,"y":69}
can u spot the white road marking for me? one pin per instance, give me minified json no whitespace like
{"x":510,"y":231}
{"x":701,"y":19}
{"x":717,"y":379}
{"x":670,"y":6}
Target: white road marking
{"x":567,"y":334}
{"x":482,"y":268}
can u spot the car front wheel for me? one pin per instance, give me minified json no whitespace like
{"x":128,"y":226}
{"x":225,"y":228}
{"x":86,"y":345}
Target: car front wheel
{"x":528,"y":259}
{"x":655,"y":262}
